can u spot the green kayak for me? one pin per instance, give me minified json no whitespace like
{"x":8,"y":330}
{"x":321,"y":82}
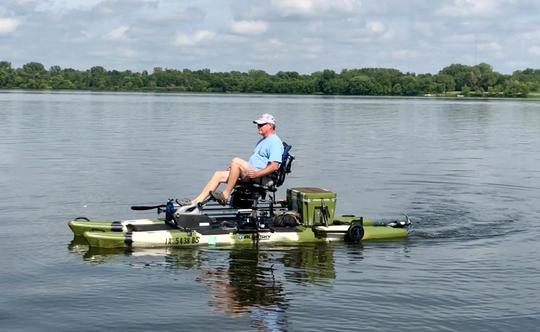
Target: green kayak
{"x":169,"y":237}
{"x":307,"y":216}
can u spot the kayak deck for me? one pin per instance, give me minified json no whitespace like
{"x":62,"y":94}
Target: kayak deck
{"x":81,"y":225}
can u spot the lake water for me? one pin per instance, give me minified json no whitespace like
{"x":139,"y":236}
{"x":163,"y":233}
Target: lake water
{"x":466,"y":172}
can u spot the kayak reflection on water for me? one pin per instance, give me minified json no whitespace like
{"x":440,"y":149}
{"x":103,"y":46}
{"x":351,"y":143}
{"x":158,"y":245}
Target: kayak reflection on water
{"x":243,"y":281}
{"x":255,"y":281}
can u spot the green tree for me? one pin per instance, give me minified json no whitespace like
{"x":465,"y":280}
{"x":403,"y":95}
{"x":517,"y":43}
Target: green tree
{"x":32,"y":75}
{"x":515,"y":88}
{"x":397,"y":90}
{"x":462,"y":75}
{"x":447,"y":81}
{"x":98,"y":78}
{"x":7,"y":79}
{"x":361,"y":85}
{"x":410,"y":86}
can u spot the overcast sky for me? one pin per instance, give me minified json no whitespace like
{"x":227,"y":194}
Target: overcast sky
{"x":421,"y":36}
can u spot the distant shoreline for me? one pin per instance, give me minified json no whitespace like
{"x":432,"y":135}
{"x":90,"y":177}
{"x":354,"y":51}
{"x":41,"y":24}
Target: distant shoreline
{"x":255,"y":94}
{"x":453,"y":81}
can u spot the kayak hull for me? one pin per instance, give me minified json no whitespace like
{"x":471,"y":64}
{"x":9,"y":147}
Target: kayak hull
{"x":81,"y":225}
{"x":145,"y":236}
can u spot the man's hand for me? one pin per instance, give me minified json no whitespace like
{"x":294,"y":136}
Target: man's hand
{"x":271,"y":167}
{"x":252,"y":174}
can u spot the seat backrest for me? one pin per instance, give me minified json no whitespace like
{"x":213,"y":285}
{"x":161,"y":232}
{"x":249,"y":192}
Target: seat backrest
{"x":285,"y":167}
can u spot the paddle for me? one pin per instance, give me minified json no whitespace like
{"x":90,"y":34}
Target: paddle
{"x":141,"y":208}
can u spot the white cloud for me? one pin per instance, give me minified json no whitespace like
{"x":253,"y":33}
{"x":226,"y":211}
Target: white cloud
{"x":118,"y":34}
{"x":270,"y":49}
{"x":534,"y":34}
{"x":375,"y":26}
{"x":310,"y":48}
{"x":424,"y":28}
{"x":292,"y":7}
{"x":314,"y":7}
{"x":313,"y":49}
{"x":388,"y":35}
{"x":128,"y":53}
{"x":474,"y":8}
{"x":275,"y":42}
{"x":535,"y":50}
{"x":490,"y":47}
{"x":249,"y":27}
{"x":8,"y":25}
{"x":404,"y":54}
{"x":195,"y":38}
{"x":230,"y":38}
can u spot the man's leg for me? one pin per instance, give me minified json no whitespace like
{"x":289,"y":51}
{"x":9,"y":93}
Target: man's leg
{"x":234,"y":174}
{"x":217,"y":178}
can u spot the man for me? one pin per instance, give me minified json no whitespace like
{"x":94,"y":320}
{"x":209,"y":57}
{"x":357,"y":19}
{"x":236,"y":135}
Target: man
{"x":265,"y":159}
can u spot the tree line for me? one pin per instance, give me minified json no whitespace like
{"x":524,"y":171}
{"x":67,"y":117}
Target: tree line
{"x":456,"y":79}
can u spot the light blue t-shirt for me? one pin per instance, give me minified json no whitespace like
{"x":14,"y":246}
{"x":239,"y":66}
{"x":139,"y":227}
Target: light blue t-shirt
{"x":267,"y":149}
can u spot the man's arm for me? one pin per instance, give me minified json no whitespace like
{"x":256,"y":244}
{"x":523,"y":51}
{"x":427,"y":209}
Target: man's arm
{"x":270,"y":167}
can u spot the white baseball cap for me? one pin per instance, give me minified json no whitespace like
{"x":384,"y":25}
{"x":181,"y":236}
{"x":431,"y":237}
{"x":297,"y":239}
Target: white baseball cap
{"x":265,"y":118}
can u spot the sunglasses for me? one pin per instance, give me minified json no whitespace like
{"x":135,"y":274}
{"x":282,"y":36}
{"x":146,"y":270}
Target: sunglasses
{"x":259,"y":125}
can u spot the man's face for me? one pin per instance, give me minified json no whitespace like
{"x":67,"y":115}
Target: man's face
{"x":264,"y":129}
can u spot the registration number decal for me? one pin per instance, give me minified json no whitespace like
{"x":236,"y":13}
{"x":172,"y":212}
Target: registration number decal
{"x":182,"y":241}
